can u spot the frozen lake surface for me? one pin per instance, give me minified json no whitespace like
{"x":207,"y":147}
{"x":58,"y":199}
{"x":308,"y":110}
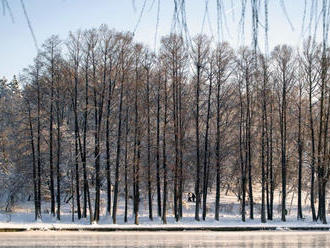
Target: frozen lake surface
{"x":166,"y":239}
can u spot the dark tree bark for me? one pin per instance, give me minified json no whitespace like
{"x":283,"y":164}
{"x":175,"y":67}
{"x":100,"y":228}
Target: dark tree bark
{"x":137,"y":142}
{"x":267,"y":140}
{"x":72,"y":193}
{"x":58,"y":161}
{"x":77,"y":177}
{"x":180,"y":148}
{"x":200,"y":53}
{"x":137,"y":180}
{"x":84,"y":150}
{"x":108,"y":152}
{"x":87,"y":200}
{"x":283,"y":147}
{"x":159,"y":201}
{"x":51,"y":54}
{"x":107,"y":77}
{"x":175,"y":129}
{"x":74,"y":48}
{"x":217,"y":151}
{"x":223,"y":70}
{"x":241,"y":149}
{"x":263,"y":175}
{"x":312,"y":133}
{"x":322,"y":145}
{"x":34,"y":174}
{"x":248,"y":152}
{"x":96,"y":154}
{"x":149,"y":143}
{"x":206,"y":143}
{"x":38,"y":137}
{"x":197,"y":190}
{"x":283,"y":58}
{"x":164,"y":218}
{"x":323,"y":153}
{"x":115,"y":194}
{"x":125,"y":159}
{"x":285,"y":73}
{"x":300,"y":155}
{"x":98,"y":114}
{"x":51,"y":170}
{"x":271,"y":176}
{"x":263,"y":134}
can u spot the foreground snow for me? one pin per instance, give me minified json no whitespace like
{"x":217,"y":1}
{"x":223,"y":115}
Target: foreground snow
{"x":22,"y":217}
{"x":186,"y":223}
{"x":189,"y":223}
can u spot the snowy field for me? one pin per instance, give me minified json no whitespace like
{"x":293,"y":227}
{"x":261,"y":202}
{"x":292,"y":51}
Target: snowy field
{"x":22,"y":216}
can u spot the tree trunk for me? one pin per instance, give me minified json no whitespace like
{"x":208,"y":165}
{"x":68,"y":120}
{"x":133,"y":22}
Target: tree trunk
{"x":149,"y":147}
{"x":180,"y":149}
{"x":84,"y":151}
{"x":35,"y":191}
{"x":115,"y":194}
{"x":206,"y":143}
{"x":38,"y":145}
{"x":300,"y":156}
{"x":217,"y":153}
{"x":98,"y":112}
{"x":96,"y":154}
{"x":107,"y":138}
{"x":283,"y":147}
{"x":263,"y":176}
{"x":242,"y":162}
{"x":159,"y":201}
{"x":263,"y":138}
{"x":175,"y":128}
{"x":164,"y":155}
{"x":72,"y":194}
{"x":311,"y":123}
{"x":272,"y":186}
{"x":125,"y":160}
{"x":51,"y":170}
{"x":248,"y":145}
{"x":108,"y":163}
{"x":137,"y":152}
{"x":58,"y":172}
{"x":197,"y":187}
{"x":75,"y":106}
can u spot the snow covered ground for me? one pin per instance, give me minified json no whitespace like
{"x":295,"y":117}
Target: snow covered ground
{"x":22,"y":216}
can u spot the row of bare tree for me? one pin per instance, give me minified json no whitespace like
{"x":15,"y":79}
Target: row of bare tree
{"x":103,"y":117}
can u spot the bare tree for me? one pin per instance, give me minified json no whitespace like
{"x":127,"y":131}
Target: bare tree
{"x":283,"y":57}
{"x":200,"y":52}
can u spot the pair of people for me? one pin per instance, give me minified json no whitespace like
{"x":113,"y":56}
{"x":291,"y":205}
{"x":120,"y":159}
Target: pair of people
{"x":191,"y":197}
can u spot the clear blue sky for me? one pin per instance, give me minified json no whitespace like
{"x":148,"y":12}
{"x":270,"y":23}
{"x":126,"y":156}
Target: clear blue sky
{"x":61,"y":16}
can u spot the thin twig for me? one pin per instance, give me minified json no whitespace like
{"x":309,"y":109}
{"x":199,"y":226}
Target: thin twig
{"x":30,"y":26}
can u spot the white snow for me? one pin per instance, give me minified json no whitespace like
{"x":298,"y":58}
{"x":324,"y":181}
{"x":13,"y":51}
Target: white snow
{"x":23,"y":217}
